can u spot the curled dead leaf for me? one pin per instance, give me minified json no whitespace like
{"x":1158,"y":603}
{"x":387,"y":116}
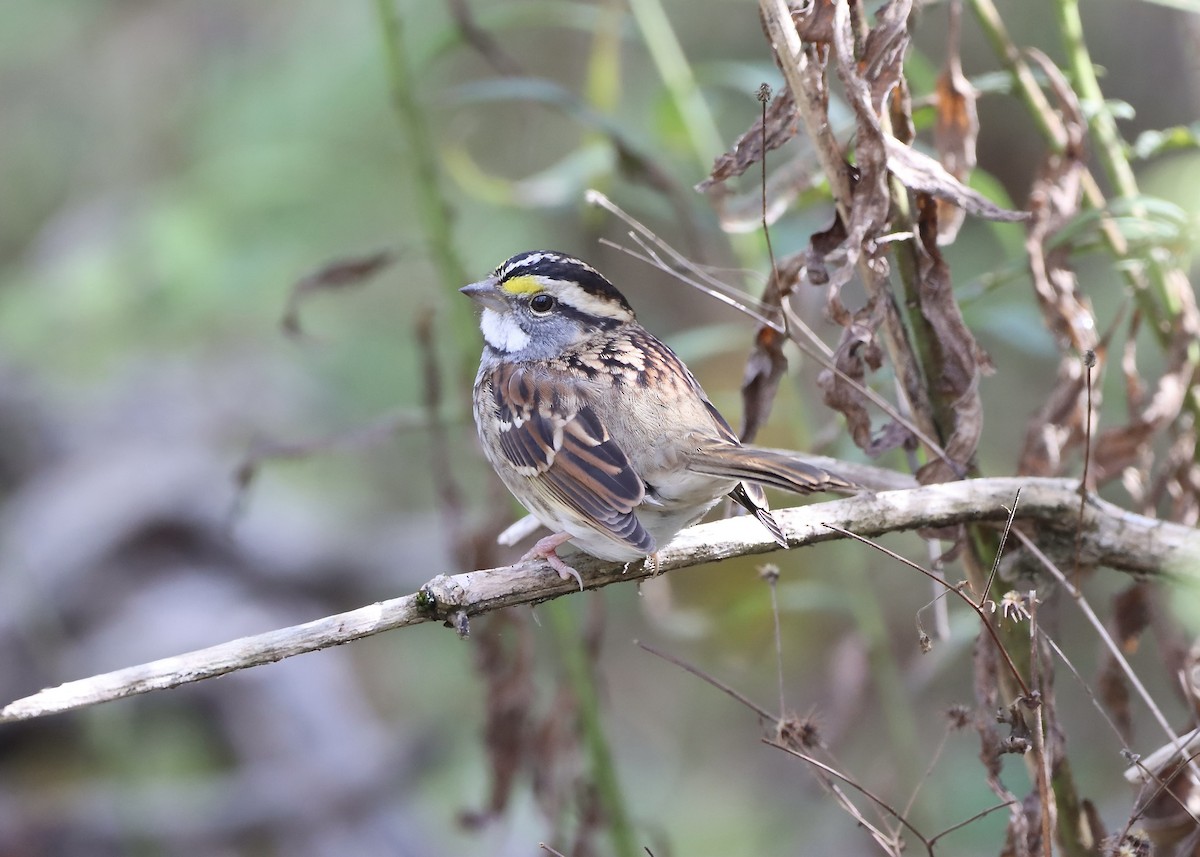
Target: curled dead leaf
{"x":858,"y":352}
{"x":767,"y":363}
{"x":1059,"y":426}
{"x":1117,"y":448}
{"x":955,"y":359}
{"x":918,"y":171}
{"x":813,"y":20}
{"x":956,"y":129}
{"x":748,"y":149}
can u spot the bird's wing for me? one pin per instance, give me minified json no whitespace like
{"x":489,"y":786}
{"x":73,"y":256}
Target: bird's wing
{"x":552,"y":435}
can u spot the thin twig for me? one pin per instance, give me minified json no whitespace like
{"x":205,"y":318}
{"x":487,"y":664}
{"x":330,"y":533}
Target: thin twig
{"x":1041,"y":759}
{"x":764,"y":96}
{"x":1089,"y":361}
{"x":865,"y":792}
{"x":771,"y":573}
{"x":1000,"y":548}
{"x":717,"y":288}
{"x":1054,"y":647}
{"x":1108,"y":641}
{"x":937,"y":755}
{"x":1128,"y":751}
{"x":769,"y":718}
{"x":483,"y":41}
{"x":1164,"y":785}
{"x":973,"y":818}
{"x":978,"y":608}
{"x":715,"y":682}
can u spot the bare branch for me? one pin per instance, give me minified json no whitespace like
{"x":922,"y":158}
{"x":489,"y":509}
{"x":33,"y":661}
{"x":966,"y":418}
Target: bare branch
{"x":1111,"y":536}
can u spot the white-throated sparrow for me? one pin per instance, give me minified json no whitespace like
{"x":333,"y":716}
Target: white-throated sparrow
{"x":597,"y":427}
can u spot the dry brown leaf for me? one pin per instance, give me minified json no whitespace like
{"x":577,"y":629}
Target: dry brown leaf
{"x":338,"y":274}
{"x":760,"y":380}
{"x":1112,"y":690}
{"x":1165,"y":815}
{"x":900,"y":110}
{"x":877,"y":72}
{"x":1059,"y":425}
{"x":1129,"y":446}
{"x":1131,"y":616}
{"x":748,"y":149}
{"x":1023,"y":836}
{"x":1053,"y":202}
{"x":767,"y":363}
{"x":1177,"y":480}
{"x":813,"y":20}
{"x":956,"y":129}
{"x":820,"y":245}
{"x":956,"y":357}
{"x":882,"y":61}
{"x":1135,"y":387}
{"x":1117,"y":448}
{"x":858,"y":352}
{"x":917,"y":171}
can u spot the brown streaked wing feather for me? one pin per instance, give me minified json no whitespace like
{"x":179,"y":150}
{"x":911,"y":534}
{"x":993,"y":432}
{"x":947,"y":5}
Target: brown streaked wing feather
{"x":559,"y":440}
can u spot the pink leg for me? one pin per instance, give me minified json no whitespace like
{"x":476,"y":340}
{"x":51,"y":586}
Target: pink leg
{"x":545,"y":549}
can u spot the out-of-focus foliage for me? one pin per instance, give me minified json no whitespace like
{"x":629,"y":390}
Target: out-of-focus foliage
{"x":169,"y":172}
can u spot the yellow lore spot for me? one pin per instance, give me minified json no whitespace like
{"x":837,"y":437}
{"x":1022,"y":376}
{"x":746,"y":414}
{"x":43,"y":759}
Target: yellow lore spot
{"x":525,"y":285}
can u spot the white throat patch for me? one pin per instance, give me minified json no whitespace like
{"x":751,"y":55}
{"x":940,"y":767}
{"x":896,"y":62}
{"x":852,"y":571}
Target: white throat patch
{"x":502,"y":331}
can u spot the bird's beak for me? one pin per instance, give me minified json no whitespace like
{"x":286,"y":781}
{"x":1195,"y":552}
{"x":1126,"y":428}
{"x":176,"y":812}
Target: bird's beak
{"x":486,"y":293}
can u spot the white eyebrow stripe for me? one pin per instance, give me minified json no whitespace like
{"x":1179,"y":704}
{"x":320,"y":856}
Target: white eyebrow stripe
{"x":577,"y":299}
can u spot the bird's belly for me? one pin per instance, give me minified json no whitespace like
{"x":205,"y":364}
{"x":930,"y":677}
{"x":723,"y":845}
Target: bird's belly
{"x":662,"y":522}
{"x":662,"y":514}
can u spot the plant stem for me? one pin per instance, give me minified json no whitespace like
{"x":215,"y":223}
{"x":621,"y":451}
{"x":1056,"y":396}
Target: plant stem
{"x":676,"y":72}
{"x":1110,"y":148}
{"x":604,"y":772}
{"x":1027,"y":86}
{"x":432,"y":211}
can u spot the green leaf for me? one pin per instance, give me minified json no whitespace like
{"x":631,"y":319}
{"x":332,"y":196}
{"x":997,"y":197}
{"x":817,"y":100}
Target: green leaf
{"x":1184,"y":5}
{"x":1153,"y":143}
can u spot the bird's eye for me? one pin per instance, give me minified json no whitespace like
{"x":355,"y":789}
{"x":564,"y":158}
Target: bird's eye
{"x":541,"y":304}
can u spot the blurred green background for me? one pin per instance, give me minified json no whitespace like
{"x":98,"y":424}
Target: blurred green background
{"x":169,"y":171}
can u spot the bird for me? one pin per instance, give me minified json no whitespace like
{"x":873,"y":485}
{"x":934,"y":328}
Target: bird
{"x":597,"y":427}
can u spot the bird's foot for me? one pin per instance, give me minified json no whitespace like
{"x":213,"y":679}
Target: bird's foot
{"x":547,"y":549}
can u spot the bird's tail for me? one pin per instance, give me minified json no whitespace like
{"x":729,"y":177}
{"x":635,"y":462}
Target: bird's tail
{"x":774,"y":468}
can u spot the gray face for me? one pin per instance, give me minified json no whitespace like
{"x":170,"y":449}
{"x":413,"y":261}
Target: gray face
{"x":531,"y":318}
{"x":529,"y":314}
{"x":533,"y":327}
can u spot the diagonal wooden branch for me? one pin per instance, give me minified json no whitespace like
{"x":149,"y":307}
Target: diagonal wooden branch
{"x":1111,"y":536}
